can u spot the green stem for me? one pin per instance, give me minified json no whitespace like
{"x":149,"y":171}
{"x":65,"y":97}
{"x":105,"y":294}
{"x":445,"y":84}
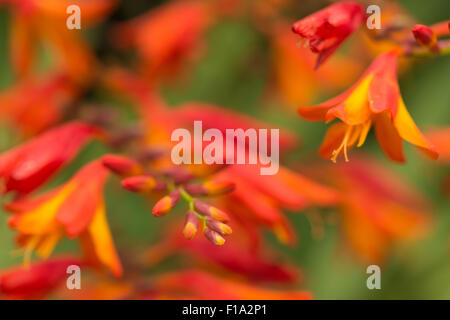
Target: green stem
{"x":190,"y":200}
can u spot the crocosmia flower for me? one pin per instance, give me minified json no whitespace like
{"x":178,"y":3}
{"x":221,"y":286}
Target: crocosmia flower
{"x":325,"y":30}
{"x":75,"y":209}
{"x":374,"y":100}
{"x":26,"y":167}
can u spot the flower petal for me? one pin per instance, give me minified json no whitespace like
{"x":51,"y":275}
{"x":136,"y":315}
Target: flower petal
{"x":408,"y":130}
{"x":388,"y":138}
{"x":102,"y":242}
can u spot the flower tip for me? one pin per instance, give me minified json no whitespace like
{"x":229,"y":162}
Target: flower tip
{"x":190,"y":226}
{"x":139,"y":184}
{"x":166,"y":203}
{"x":162,"y":207}
{"x":120,"y":165}
{"x":424,"y":35}
{"x":189,"y":231}
{"x":214,"y":237}
{"x":219,"y":215}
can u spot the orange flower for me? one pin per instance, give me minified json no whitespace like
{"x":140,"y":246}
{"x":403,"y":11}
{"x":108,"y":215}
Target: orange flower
{"x":36,"y":281}
{"x":379,"y":210}
{"x":35,"y":21}
{"x":202,"y":285}
{"x":26,"y":167}
{"x":374,"y":99}
{"x":75,"y":209}
{"x":165,"y":36}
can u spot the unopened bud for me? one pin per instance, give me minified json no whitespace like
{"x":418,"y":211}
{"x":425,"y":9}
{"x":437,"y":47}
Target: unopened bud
{"x":139,"y":184}
{"x":214,"y":237}
{"x":210,"y":211}
{"x":166,"y":203}
{"x":219,"y":227}
{"x":190,"y":225}
{"x":179,"y":175}
{"x":195,"y":189}
{"x":424,"y":36}
{"x":122,"y":166}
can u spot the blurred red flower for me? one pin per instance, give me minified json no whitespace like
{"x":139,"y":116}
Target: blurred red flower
{"x":26,"y":167}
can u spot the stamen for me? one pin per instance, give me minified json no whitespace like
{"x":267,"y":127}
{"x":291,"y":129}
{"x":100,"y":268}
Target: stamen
{"x":31,"y":245}
{"x":343,"y":145}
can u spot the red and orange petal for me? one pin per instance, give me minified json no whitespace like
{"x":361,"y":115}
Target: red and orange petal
{"x":440,"y":137}
{"x":36,"y":104}
{"x":75,"y":209}
{"x":26,"y":167}
{"x":207,"y":286}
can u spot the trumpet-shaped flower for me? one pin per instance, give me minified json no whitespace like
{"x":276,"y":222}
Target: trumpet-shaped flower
{"x":75,"y":209}
{"x":374,"y":100}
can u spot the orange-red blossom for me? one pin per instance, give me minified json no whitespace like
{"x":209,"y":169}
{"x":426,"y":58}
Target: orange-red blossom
{"x":75,"y":209}
{"x":374,"y":100}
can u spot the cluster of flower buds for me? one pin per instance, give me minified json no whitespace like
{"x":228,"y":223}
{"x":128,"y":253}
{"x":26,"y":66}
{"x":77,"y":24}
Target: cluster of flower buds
{"x":177,"y":184}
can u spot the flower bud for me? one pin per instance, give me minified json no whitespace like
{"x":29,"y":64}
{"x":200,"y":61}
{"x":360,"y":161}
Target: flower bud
{"x":196,"y":190}
{"x":214,"y":237}
{"x":179,"y":175}
{"x":210,"y":211}
{"x":424,"y":36}
{"x":190,"y":225}
{"x":219,"y":227}
{"x":166,"y":203}
{"x":120,"y":165}
{"x":139,"y":184}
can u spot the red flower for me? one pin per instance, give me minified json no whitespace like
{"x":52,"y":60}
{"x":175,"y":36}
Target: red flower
{"x":35,"y":104}
{"x":202,"y":285}
{"x":325,"y":30}
{"x":26,"y":167}
{"x":36,"y":281}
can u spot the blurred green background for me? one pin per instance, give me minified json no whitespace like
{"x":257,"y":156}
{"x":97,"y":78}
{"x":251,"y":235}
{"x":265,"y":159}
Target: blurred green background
{"x":234,"y":74}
